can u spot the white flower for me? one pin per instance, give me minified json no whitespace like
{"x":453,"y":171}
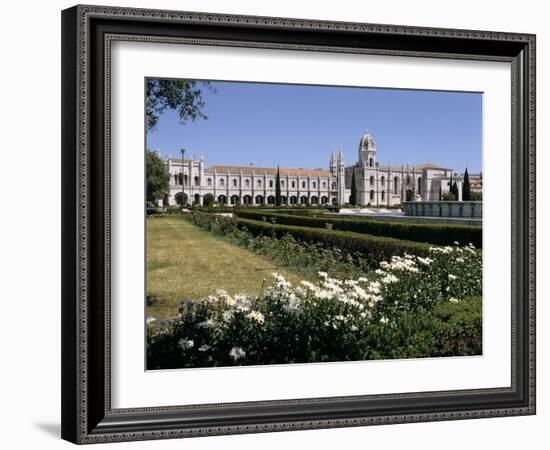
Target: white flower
{"x":353,"y":328}
{"x":454,"y":300}
{"x":204,"y":348}
{"x":257,"y":316}
{"x":185,"y":344}
{"x":231,"y":301}
{"x":209,"y":323}
{"x":384,"y":320}
{"x":390,"y":278}
{"x":456,"y":243}
{"x":227,"y":316}
{"x":425,"y":261}
{"x":323,"y":275}
{"x":379,"y":272}
{"x":237,"y":353}
{"x":151,"y":320}
{"x":452,"y":277}
{"x":374,"y":287}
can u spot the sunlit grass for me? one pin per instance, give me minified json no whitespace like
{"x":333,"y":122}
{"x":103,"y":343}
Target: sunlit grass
{"x":186,"y":262}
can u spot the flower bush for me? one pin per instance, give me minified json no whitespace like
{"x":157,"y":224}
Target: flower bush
{"x":410,"y":306}
{"x":307,"y":258}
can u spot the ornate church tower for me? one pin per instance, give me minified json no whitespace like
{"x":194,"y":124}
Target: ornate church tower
{"x":341,"y":178}
{"x":367,"y":151}
{"x":333,"y":165}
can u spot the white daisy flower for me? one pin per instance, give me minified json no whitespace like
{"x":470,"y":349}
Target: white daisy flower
{"x":237,"y":353}
{"x":185,"y":344}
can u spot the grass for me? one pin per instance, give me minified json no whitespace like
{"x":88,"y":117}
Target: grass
{"x":186,"y":262}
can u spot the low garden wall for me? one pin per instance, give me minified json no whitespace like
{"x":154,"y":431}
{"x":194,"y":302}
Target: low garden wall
{"x":444,"y":209}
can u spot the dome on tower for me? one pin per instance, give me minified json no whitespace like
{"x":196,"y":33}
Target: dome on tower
{"x":367,"y":141}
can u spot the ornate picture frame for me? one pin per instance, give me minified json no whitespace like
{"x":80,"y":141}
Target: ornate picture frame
{"x":88,"y":33}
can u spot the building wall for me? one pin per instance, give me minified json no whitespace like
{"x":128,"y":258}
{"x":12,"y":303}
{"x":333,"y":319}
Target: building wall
{"x":378,"y":186}
{"x":237,"y":188}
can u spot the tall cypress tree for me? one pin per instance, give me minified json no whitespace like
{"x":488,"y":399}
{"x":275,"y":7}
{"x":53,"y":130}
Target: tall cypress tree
{"x":466,"y":193}
{"x":353,"y":196}
{"x":454,"y":190}
{"x":278,"y":188}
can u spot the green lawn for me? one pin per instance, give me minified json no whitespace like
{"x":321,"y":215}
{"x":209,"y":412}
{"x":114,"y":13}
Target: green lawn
{"x":186,"y":262}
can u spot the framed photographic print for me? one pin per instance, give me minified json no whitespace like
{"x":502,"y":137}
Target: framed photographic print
{"x":281,"y":224}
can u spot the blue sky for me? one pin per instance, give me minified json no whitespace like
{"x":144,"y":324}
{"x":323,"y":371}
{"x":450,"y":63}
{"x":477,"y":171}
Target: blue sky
{"x":299,"y":126}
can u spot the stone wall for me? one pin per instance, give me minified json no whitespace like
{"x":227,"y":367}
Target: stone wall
{"x":443,"y":209}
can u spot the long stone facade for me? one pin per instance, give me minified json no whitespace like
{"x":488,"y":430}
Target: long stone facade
{"x":377,"y":185}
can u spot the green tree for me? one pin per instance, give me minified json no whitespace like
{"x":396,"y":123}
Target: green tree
{"x":353,"y":196}
{"x":278,"y":188}
{"x":183,"y":96}
{"x":454,"y":190}
{"x":208,"y":200}
{"x":157,"y":177}
{"x":466,"y":193}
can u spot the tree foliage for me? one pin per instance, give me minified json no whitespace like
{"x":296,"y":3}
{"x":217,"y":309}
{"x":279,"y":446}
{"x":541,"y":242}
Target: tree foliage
{"x":208,"y":200}
{"x":157,"y":177}
{"x":353,"y":196}
{"x":454,"y":190}
{"x":278,"y":188}
{"x":183,"y":96}
{"x":466,"y":192}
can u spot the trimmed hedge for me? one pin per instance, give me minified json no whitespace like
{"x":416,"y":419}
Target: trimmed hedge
{"x":439,"y":234}
{"x":375,"y":248}
{"x":459,"y":327}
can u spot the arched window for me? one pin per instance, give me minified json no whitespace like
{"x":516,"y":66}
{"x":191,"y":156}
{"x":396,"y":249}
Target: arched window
{"x":303,"y":184}
{"x":371,"y":195}
{"x":382,"y":196}
{"x":420,"y":186}
{"x":270,"y":183}
{"x":196,"y":179}
{"x":408,"y":179}
{"x":395,"y":185}
{"x":222,"y":182}
{"x":209,"y":181}
{"x":382,"y":180}
{"x":370,"y":162}
{"x":371,"y":181}
{"x":247,"y":182}
{"x":333,"y":186}
{"x":282,"y":183}
{"x":186,"y":177}
{"x":234,"y":182}
{"x":314,"y":185}
{"x":259,"y":183}
{"x":324,"y":184}
{"x":294,"y":184}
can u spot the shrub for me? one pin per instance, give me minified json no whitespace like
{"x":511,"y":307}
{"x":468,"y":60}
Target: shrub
{"x":458,"y":328}
{"x":440,"y":234}
{"x":402,"y":310}
{"x":307,"y":258}
{"x":208,"y":200}
{"x":374,"y":248}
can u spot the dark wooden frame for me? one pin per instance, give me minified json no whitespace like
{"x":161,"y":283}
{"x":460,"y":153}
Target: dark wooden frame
{"x":87,"y":31}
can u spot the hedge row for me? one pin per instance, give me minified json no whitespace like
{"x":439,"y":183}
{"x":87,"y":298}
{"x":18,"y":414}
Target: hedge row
{"x":374,"y":248}
{"x":439,"y":234}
